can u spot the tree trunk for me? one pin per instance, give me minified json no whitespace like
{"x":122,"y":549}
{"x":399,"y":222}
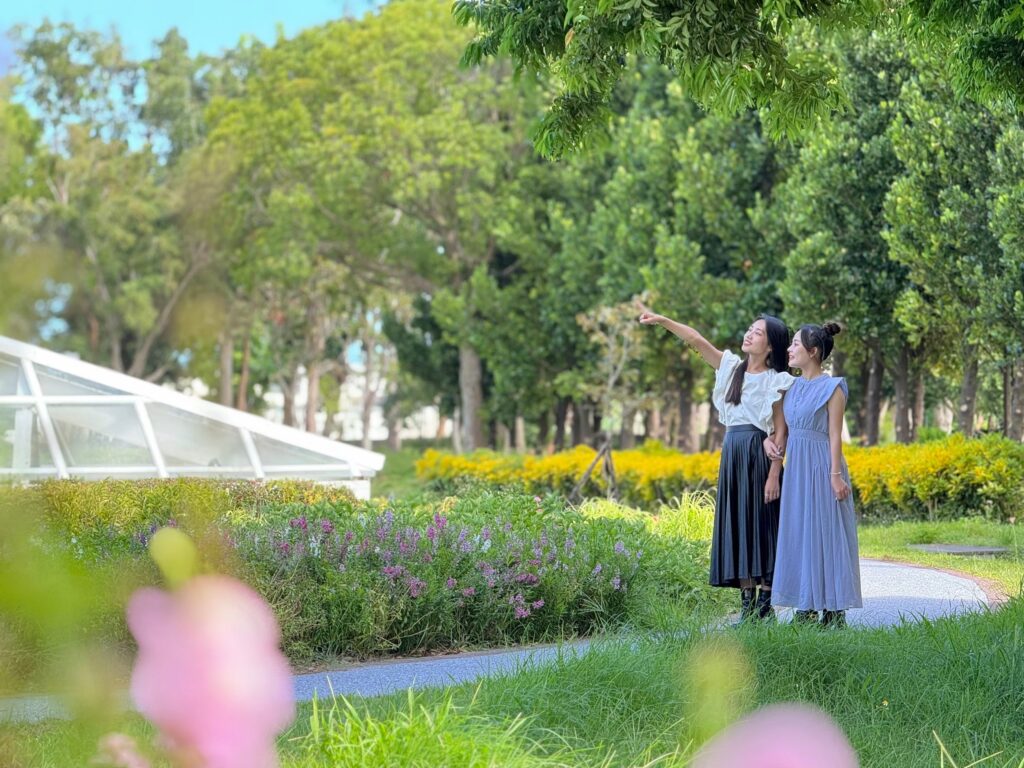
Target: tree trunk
{"x":543,"y":432}
{"x":442,"y":422}
{"x":839,"y":363}
{"x":685,"y":436}
{"x":393,"y":422}
{"x":576,"y":422}
{"x":968,"y":394}
{"x":652,"y":424}
{"x":561,"y":414}
{"x":919,"y":393}
{"x":227,"y":368}
{"x":1013,"y":394}
{"x":288,"y":390}
{"x":873,"y":395}
{"x":520,"y":434}
{"x":242,"y":401}
{"x":312,"y":395}
{"x":502,"y":438}
{"x":457,"y":431}
{"x":716,"y":432}
{"x":627,"y":439}
{"x":902,"y":406}
{"x":471,"y":394}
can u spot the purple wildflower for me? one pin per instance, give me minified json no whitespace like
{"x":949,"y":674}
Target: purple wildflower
{"x":416,"y":586}
{"x":284,"y":547}
{"x":597,"y":570}
{"x":326,"y":526}
{"x":522,"y":612}
{"x":393,"y":571}
{"x":450,"y":583}
{"x":620,"y":548}
{"x":349,"y":536}
{"x":300,"y":523}
{"x":469,"y":591}
{"x":527,"y":578}
{"x":616,"y":582}
{"x":485,"y":534}
{"x":537,"y":604}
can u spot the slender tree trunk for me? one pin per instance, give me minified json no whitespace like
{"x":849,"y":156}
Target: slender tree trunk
{"x":227,"y":368}
{"x":543,"y":432}
{"x":968,"y":394}
{"x":457,"y":431}
{"x":839,"y":363}
{"x":393,"y":420}
{"x":561,"y":414}
{"x":442,"y":422}
{"x":472,"y":397}
{"x":502,"y":437}
{"x":312,"y":395}
{"x":1013,"y":394}
{"x":919,"y":393}
{"x":901,"y":384}
{"x":873,"y":395}
{"x":520,"y":434}
{"x":652,"y":424}
{"x":627,"y":439}
{"x":716,"y":431}
{"x":577,"y":423}
{"x":242,"y":400}
{"x":288,"y":390}
{"x":684,"y":437}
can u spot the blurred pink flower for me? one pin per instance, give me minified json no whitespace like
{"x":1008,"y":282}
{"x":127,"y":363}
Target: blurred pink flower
{"x":209,"y":673}
{"x":120,"y":751}
{"x":780,"y":736}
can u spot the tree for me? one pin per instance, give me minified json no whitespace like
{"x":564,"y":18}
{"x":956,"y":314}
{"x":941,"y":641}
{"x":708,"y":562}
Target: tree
{"x":938,"y":213}
{"x":731,"y":54}
{"x":832,"y":204}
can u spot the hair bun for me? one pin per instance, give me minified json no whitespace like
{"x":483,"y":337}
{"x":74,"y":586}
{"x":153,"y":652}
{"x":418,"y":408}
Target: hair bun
{"x":832,"y":329}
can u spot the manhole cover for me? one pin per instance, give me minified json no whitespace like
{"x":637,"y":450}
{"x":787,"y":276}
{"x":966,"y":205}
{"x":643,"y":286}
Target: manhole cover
{"x":959,"y":549}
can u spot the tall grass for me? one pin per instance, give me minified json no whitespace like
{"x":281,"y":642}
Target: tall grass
{"x":892,"y":692}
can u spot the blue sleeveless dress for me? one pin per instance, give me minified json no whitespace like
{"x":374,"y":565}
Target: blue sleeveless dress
{"x":817,"y":566}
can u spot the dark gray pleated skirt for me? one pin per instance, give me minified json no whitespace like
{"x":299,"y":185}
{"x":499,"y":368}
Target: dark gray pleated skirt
{"x":746,"y":529}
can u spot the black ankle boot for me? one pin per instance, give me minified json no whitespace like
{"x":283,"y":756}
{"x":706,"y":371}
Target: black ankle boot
{"x":746,"y":604}
{"x":763,"y":606}
{"x":805,"y":617}
{"x":833,"y":619}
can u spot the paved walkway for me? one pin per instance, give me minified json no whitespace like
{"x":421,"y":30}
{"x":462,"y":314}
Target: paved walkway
{"x":893,"y":592}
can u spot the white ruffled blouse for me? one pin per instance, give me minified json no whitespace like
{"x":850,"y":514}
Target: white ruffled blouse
{"x":760,"y":392}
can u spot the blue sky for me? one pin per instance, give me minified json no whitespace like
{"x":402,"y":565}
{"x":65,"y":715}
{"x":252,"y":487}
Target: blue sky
{"x":208,"y":25}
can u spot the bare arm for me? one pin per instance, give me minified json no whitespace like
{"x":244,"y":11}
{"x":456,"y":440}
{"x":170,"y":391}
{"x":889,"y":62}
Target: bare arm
{"x":836,"y":408}
{"x":711,"y":354}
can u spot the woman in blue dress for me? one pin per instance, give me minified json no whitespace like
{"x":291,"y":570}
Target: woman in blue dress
{"x":747,"y":394}
{"x":817,"y":567}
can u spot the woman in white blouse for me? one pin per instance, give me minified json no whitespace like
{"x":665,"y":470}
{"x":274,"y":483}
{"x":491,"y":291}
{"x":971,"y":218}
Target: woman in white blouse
{"x":748,"y":395}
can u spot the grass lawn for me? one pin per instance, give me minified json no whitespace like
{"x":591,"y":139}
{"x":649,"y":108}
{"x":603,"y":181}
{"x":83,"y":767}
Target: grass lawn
{"x":398,"y":478}
{"x":892,"y":692}
{"x":889,"y":542}
{"x":888,"y":690}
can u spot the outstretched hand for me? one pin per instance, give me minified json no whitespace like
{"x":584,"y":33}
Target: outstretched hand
{"x":647,"y":315}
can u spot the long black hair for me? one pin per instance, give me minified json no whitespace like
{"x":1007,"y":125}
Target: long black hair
{"x":819,"y":337}
{"x":778,"y":358}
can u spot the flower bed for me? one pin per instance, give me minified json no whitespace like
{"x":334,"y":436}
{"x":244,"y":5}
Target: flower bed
{"x":941,"y":478}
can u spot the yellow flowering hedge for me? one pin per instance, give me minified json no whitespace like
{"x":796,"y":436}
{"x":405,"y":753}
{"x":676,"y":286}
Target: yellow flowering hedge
{"x":944,"y":478}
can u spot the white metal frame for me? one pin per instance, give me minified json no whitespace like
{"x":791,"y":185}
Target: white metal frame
{"x":350,"y":463}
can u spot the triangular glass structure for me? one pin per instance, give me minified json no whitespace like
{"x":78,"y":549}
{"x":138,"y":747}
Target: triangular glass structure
{"x":61,"y":417}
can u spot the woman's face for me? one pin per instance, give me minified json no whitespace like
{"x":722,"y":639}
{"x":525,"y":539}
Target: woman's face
{"x":755,"y":340}
{"x":799,"y":357}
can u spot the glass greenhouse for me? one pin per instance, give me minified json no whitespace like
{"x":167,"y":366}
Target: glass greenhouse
{"x":61,"y":417}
